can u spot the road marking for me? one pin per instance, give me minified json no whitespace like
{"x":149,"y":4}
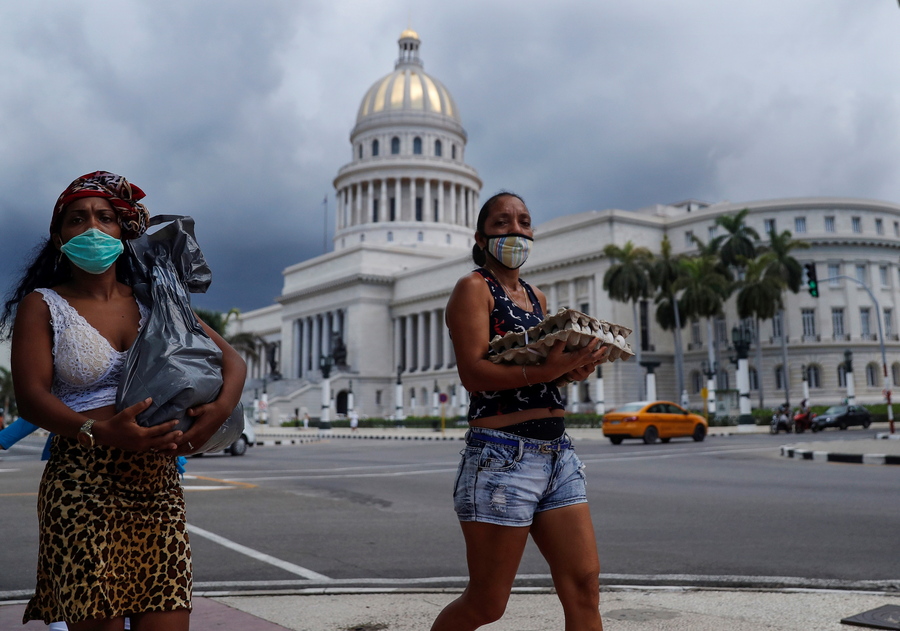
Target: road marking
{"x":259,"y":556}
{"x":680,"y":454}
{"x":18,"y":494}
{"x":351,"y":475}
{"x":229,"y":482}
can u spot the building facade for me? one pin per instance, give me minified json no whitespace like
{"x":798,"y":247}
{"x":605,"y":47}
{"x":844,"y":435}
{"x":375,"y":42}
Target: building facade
{"x":406,"y":209}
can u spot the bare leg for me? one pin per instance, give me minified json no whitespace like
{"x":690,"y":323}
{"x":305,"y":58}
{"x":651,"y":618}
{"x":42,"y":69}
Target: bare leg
{"x":100,"y":624}
{"x":493,"y":554}
{"x":178,"y":620}
{"x":565,"y":536}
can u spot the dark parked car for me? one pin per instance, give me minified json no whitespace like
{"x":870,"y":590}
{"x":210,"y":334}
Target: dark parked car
{"x":842,"y":416}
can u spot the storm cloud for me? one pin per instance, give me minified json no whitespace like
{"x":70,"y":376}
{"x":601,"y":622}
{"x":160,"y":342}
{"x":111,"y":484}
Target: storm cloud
{"x":239,"y":112}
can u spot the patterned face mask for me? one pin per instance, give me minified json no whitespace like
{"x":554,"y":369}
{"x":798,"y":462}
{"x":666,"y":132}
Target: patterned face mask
{"x":511,"y":250}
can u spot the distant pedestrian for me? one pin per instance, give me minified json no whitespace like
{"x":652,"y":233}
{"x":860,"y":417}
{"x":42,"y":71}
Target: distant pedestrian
{"x":306,"y":420}
{"x":354,"y":421}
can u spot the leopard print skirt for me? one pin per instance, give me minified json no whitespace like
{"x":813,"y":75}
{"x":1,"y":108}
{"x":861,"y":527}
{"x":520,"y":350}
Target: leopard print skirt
{"x":113,"y":536}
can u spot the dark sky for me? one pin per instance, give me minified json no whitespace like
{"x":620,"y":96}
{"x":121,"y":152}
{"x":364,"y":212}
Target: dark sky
{"x":239,"y":112}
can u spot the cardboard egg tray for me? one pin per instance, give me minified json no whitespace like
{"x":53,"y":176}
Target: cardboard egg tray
{"x":575,"y":328}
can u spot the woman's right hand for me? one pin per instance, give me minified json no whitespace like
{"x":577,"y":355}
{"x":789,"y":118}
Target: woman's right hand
{"x":122,"y":431}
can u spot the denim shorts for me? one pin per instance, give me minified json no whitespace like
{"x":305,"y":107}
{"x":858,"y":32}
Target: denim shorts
{"x":507,"y":484}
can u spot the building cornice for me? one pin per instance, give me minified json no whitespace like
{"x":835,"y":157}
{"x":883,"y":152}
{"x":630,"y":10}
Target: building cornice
{"x":337,"y":283}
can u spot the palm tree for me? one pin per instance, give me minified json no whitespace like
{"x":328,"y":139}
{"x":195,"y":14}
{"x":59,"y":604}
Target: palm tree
{"x":665,"y":270}
{"x":628,"y":280}
{"x":738,"y":245}
{"x":706,"y":285}
{"x":790,"y":270}
{"x":760,"y":297}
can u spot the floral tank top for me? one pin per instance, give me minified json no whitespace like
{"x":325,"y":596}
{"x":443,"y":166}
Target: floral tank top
{"x":505,"y":317}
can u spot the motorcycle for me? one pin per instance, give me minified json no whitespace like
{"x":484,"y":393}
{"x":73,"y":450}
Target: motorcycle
{"x":803,"y":421}
{"x":781,"y":421}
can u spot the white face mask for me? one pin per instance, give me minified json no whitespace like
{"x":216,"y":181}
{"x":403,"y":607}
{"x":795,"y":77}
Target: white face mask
{"x":511,"y":250}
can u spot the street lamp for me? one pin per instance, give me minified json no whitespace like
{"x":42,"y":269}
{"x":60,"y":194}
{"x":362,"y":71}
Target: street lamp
{"x":325,"y":364}
{"x":741,"y":337}
{"x":709,"y":371}
{"x":848,"y":377}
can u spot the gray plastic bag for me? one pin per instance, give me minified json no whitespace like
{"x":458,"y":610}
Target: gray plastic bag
{"x":173,"y":360}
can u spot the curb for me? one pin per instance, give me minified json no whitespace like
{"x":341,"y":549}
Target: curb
{"x":826,"y":456}
{"x":325,"y":436}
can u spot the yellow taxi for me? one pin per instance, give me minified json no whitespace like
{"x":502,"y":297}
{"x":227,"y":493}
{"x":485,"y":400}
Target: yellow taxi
{"x":652,"y":421}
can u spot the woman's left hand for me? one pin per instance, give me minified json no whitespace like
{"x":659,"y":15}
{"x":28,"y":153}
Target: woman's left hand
{"x":598,"y":356}
{"x":208,"y":418}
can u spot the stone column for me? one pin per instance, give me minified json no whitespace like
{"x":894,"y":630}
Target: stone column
{"x":412,"y":198}
{"x":427,"y":206}
{"x":573,"y":297}
{"x":442,"y":216}
{"x":370,"y":201}
{"x":553,"y":300}
{"x":316,"y":341}
{"x":435,"y":339}
{"x":446,"y":343}
{"x":454,"y":213}
{"x":398,"y":207}
{"x":592,"y":295}
{"x":410,"y":342}
{"x":398,"y":342}
{"x":421,"y":342}
{"x":384,"y":204}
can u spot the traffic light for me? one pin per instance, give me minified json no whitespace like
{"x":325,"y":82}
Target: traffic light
{"x":811,"y":281}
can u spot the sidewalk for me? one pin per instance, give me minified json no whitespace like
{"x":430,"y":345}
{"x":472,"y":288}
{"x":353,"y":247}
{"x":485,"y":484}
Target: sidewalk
{"x":623,"y":609}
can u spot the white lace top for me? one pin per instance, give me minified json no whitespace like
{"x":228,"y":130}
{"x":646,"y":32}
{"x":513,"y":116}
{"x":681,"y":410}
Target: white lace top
{"x":86,"y":368}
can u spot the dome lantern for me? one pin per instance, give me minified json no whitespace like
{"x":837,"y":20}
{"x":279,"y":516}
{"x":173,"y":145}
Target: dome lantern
{"x":409,"y":49}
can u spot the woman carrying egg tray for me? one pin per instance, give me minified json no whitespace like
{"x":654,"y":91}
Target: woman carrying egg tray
{"x":519,"y":474}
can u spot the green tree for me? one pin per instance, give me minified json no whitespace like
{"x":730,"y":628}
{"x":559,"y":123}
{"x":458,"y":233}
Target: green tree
{"x":628,"y":280}
{"x":783,"y":265}
{"x":759,"y":297}
{"x":665,"y":270}
{"x":738,"y":244}
{"x":705,"y":285}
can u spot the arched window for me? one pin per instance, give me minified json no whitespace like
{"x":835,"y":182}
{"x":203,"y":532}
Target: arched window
{"x":696,"y":382}
{"x":395,"y":145}
{"x":813,"y":376}
{"x":842,"y":376}
{"x":453,"y":152}
{"x":374,"y":147}
{"x":417,"y":146}
{"x":359,"y":151}
{"x":872,"y":375}
{"x":375,"y":210}
{"x":438,"y":148}
{"x":754,"y":379}
{"x":779,"y":378}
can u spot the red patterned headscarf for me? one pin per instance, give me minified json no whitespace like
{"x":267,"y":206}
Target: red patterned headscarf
{"x":122,"y":195}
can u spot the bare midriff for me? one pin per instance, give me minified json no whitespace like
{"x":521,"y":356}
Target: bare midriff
{"x":504,"y":420}
{"x":101,"y":414}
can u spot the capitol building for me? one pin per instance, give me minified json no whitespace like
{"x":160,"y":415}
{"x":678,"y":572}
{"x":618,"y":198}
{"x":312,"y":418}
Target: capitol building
{"x":405,"y":217}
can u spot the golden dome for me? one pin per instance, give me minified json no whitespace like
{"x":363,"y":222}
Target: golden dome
{"x":408,"y":89}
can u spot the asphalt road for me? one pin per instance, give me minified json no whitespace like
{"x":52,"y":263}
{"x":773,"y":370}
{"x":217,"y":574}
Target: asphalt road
{"x":345,"y":512}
